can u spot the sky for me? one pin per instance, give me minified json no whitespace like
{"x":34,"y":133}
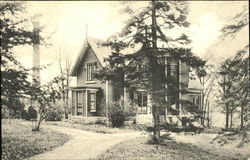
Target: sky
{"x":67,"y":21}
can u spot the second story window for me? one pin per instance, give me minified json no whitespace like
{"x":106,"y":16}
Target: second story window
{"x":91,"y":67}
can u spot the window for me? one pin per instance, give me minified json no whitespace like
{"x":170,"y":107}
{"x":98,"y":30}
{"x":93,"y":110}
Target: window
{"x":141,"y":99}
{"x":174,"y":70}
{"x":79,"y":104}
{"x":90,"y":70}
{"x":92,"y":102}
{"x":195,"y":99}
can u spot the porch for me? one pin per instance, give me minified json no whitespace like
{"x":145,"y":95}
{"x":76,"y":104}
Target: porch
{"x":86,"y":101}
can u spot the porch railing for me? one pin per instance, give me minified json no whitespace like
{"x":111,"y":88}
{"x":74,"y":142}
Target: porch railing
{"x":144,"y":110}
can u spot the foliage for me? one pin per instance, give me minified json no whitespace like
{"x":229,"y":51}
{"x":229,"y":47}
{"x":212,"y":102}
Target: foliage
{"x":64,"y":66}
{"x":19,"y":143}
{"x":31,"y":113}
{"x":46,"y":96}
{"x":234,"y":82}
{"x":145,"y":31}
{"x":57,"y":111}
{"x":238,"y":22}
{"x":120,"y":111}
{"x":116,"y":114}
{"x":16,"y":30}
{"x":101,"y":122}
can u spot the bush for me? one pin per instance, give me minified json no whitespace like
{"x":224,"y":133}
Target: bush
{"x":25,"y":115}
{"x":54,"y":116}
{"x":121,"y":111}
{"x":116,"y":114}
{"x":32,"y":113}
{"x":101,"y":122}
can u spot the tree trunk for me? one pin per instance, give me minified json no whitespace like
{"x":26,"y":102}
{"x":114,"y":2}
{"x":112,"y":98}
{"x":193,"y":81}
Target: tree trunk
{"x":67,"y":97}
{"x":156,"y":94}
{"x":242,"y":117}
{"x":226,"y":104}
{"x":155,"y":84}
{"x":208,"y":114}
{"x":231,"y":118}
{"x":227,"y":115}
{"x":202,"y":110}
{"x":37,"y":127}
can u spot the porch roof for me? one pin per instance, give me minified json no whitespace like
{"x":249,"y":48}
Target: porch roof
{"x":83,"y":87}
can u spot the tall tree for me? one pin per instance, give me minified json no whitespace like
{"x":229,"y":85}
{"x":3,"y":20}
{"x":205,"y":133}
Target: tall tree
{"x":207,"y":80}
{"x":235,"y":76}
{"x":235,"y":70}
{"x":64,"y":63}
{"x":14,"y":32}
{"x":147,"y":30}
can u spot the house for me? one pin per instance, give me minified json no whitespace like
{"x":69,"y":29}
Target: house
{"x":91,"y":96}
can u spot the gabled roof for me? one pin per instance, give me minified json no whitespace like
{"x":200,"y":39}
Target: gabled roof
{"x":100,"y":51}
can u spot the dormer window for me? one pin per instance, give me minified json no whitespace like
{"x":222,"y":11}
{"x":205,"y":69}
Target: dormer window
{"x":91,"y":67}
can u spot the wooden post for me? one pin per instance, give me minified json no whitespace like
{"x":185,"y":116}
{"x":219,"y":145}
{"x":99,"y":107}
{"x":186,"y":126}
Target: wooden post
{"x":86,"y":106}
{"x":107,"y":97}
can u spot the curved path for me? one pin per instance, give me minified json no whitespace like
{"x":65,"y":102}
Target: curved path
{"x":84,"y":144}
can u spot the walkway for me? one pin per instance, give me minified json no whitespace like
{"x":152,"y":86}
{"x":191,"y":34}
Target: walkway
{"x":84,"y":144}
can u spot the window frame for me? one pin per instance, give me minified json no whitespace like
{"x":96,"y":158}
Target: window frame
{"x":90,"y":69}
{"x":79,"y":106}
{"x":90,"y":101}
{"x":143,"y":98}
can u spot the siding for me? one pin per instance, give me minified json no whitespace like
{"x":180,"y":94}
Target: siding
{"x":81,"y":72}
{"x":101,"y":94}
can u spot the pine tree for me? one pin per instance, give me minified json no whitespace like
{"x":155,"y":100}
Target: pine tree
{"x":147,"y":30}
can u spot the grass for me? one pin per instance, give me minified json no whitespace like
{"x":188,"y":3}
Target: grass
{"x":139,"y":148}
{"x":19,"y":142}
{"x":97,"y":128}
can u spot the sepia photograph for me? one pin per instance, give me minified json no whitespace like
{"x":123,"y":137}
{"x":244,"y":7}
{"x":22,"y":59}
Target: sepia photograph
{"x":125,"y":80}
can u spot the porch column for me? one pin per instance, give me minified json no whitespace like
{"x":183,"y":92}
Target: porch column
{"x":75,"y":103}
{"x":149,"y":102}
{"x":86,"y":104}
{"x":72,"y":102}
{"x":126,"y":98}
{"x":180,"y":87}
{"x":107,"y":97}
{"x":180,"y":107}
{"x":83,"y":102}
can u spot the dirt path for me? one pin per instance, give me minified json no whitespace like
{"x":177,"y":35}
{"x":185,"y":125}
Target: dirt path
{"x":84,"y":144}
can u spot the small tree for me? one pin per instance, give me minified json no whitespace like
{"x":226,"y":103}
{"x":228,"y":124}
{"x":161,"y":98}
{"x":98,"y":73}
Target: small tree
{"x":46,"y":97}
{"x":64,"y":63}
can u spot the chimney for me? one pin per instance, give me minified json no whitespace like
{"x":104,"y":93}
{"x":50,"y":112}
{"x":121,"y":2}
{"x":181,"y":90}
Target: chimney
{"x":36,"y":53}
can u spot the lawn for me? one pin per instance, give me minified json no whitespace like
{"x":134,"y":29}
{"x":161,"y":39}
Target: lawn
{"x":169,"y":150}
{"x":19,"y":142}
{"x":97,"y":128}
